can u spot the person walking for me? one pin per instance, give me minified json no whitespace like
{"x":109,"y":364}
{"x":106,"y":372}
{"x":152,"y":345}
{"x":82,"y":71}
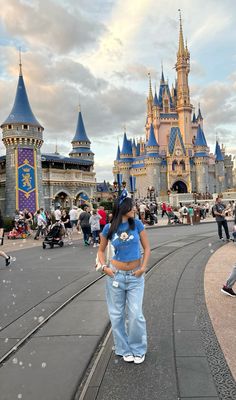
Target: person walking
{"x":94,"y":221}
{"x":163,"y":209}
{"x":228,"y":287}
{"x":8,"y":259}
{"x":65,"y":218}
{"x":191,"y":213}
{"x":84,"y":224}
{"x":219,"y":213}
{"x":103,"y":215}
{"x":125,"y":280}
{"x":41,"y":224}
{"x":73,"y":217}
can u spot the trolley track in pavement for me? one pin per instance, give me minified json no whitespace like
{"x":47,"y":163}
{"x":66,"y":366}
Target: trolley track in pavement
{"x":88,"y":285}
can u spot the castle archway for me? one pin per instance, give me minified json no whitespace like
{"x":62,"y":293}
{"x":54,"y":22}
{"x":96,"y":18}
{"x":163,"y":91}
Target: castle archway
{"x":180,"y":187}
{"x":62,"y":199}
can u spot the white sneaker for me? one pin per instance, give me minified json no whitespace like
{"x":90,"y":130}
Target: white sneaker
{"x":139,"y":359}
{"x":128,"y":358}
{"x":94,"y":245}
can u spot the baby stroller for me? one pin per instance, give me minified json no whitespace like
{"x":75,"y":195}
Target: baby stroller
{"x":173,"y":219}
{"x":54,"y":236}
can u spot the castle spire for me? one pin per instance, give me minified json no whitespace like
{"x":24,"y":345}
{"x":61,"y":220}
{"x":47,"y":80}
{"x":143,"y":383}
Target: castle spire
{"x":20,"y":64}
{"x":80,"y":133}
{"x":21,"y":111}
{"x":150,"y":95}
{"x":181,"y":50}
{"x":162,"y":75}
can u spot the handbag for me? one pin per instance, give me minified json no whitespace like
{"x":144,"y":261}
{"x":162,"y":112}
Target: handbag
{"x":99,"y":265}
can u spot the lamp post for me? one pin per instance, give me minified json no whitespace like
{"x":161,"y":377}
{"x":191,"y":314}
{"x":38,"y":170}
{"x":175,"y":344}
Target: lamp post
{"x":195,"y":196}
{"x":119,"y":184}
{"x":206,"y":191}
{"x":132,"y":180}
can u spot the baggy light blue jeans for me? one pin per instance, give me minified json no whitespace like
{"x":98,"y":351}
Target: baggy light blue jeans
{"x":232,"y":278}
{"x":124,"y":293}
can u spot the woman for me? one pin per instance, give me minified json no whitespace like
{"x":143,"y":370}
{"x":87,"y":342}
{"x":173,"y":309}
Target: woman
{"x":65,"y":218}
{"x":125,"y":280}
{"x":84,"y":224}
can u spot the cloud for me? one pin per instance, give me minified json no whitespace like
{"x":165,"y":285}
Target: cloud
{"x":98,"y":53}
{"x":49,"y":24}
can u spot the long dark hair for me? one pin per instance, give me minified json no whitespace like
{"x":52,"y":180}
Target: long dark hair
{"x":117,"y":213}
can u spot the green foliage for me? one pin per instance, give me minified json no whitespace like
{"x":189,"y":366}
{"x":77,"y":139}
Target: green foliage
{"x":108,"y":205}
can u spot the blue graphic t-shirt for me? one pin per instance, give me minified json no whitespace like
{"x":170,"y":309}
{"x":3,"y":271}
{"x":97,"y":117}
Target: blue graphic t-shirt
{"x":126,"y":242}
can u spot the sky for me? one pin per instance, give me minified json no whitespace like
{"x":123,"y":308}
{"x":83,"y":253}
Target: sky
{"x":98,"y":53}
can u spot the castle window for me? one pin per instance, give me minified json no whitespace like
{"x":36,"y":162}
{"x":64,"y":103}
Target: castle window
{"x":39,"y":129}
{"x":9,"y":127}
{"x":166,"y":106}
{"x":174,"y":165}
{"x":25,"y":127}
{"x":12,"y":160}
{"x":182,"y":164}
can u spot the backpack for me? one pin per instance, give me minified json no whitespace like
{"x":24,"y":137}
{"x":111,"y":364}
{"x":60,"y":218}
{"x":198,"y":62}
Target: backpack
{"x":212,"y":212}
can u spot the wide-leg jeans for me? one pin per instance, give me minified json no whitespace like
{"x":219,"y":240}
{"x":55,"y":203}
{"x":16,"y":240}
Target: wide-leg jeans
{"x":124,"y":294}
{"x":232,"y":278}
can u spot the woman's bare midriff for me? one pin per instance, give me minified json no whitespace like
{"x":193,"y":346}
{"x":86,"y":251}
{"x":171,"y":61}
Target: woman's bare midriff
{"x":127,"y":265}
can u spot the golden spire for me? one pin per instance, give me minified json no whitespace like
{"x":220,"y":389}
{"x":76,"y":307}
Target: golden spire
{"x":20,"y":65}
{"x":181,"y":50}
{"x":150,"y":95}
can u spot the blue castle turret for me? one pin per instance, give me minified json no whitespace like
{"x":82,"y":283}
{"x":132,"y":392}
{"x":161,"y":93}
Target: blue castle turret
{"x":23,"y":138}
{"x":81,"y":143}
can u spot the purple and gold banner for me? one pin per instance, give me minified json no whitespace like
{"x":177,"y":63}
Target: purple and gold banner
{"x":26,"y":180}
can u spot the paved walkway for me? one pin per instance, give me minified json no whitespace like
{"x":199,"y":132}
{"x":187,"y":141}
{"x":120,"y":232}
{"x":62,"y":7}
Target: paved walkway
{"x":178,"y":329}
{"x":159,"y":296}
{"x":222,"y":308}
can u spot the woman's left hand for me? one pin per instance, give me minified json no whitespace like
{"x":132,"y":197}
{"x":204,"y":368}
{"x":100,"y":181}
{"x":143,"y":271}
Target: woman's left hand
{"x":139,"y":272}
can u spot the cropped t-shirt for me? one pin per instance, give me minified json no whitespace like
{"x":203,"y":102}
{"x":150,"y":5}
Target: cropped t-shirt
{"x":126,"y":242}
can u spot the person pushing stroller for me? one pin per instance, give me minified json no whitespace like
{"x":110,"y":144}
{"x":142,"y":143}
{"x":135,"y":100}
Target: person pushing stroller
{"x":55,"y":234}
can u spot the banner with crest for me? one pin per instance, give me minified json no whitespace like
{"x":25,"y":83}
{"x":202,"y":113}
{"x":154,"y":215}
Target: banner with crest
{"x":26,"y":179}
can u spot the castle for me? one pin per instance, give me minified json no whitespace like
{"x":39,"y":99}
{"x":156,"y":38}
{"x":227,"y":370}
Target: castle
{"x":173,"y":155}
{"x":29,"y":179}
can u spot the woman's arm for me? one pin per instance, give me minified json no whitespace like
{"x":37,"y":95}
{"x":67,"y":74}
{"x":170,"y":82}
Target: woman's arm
{"x":102,"y":256}
{"x":146,"y":253}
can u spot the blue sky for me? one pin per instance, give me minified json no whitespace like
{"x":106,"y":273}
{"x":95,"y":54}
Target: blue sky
{"x":98,"y":54}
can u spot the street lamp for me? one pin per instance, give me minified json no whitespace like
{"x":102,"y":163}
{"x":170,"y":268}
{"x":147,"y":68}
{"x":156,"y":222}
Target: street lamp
{"x":195,"y":196}
{"x":119,"y":185}
{"x":132,"y":180}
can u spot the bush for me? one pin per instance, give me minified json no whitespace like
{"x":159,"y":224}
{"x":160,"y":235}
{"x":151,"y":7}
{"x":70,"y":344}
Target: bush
{"x":108,"y":205}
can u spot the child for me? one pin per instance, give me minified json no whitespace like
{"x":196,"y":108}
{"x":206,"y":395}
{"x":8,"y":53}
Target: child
{"x":94,"y":222}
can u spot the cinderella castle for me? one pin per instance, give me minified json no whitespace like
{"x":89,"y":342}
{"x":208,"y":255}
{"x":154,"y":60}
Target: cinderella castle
{"x":173,"y":155}
{"x":31,"y":179}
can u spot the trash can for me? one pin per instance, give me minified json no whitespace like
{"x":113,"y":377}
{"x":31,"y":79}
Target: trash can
{"x":196,"y":216}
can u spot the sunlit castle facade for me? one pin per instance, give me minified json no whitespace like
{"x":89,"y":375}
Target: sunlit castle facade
{"x":30,"y":179}
{"x":173,"y":154}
